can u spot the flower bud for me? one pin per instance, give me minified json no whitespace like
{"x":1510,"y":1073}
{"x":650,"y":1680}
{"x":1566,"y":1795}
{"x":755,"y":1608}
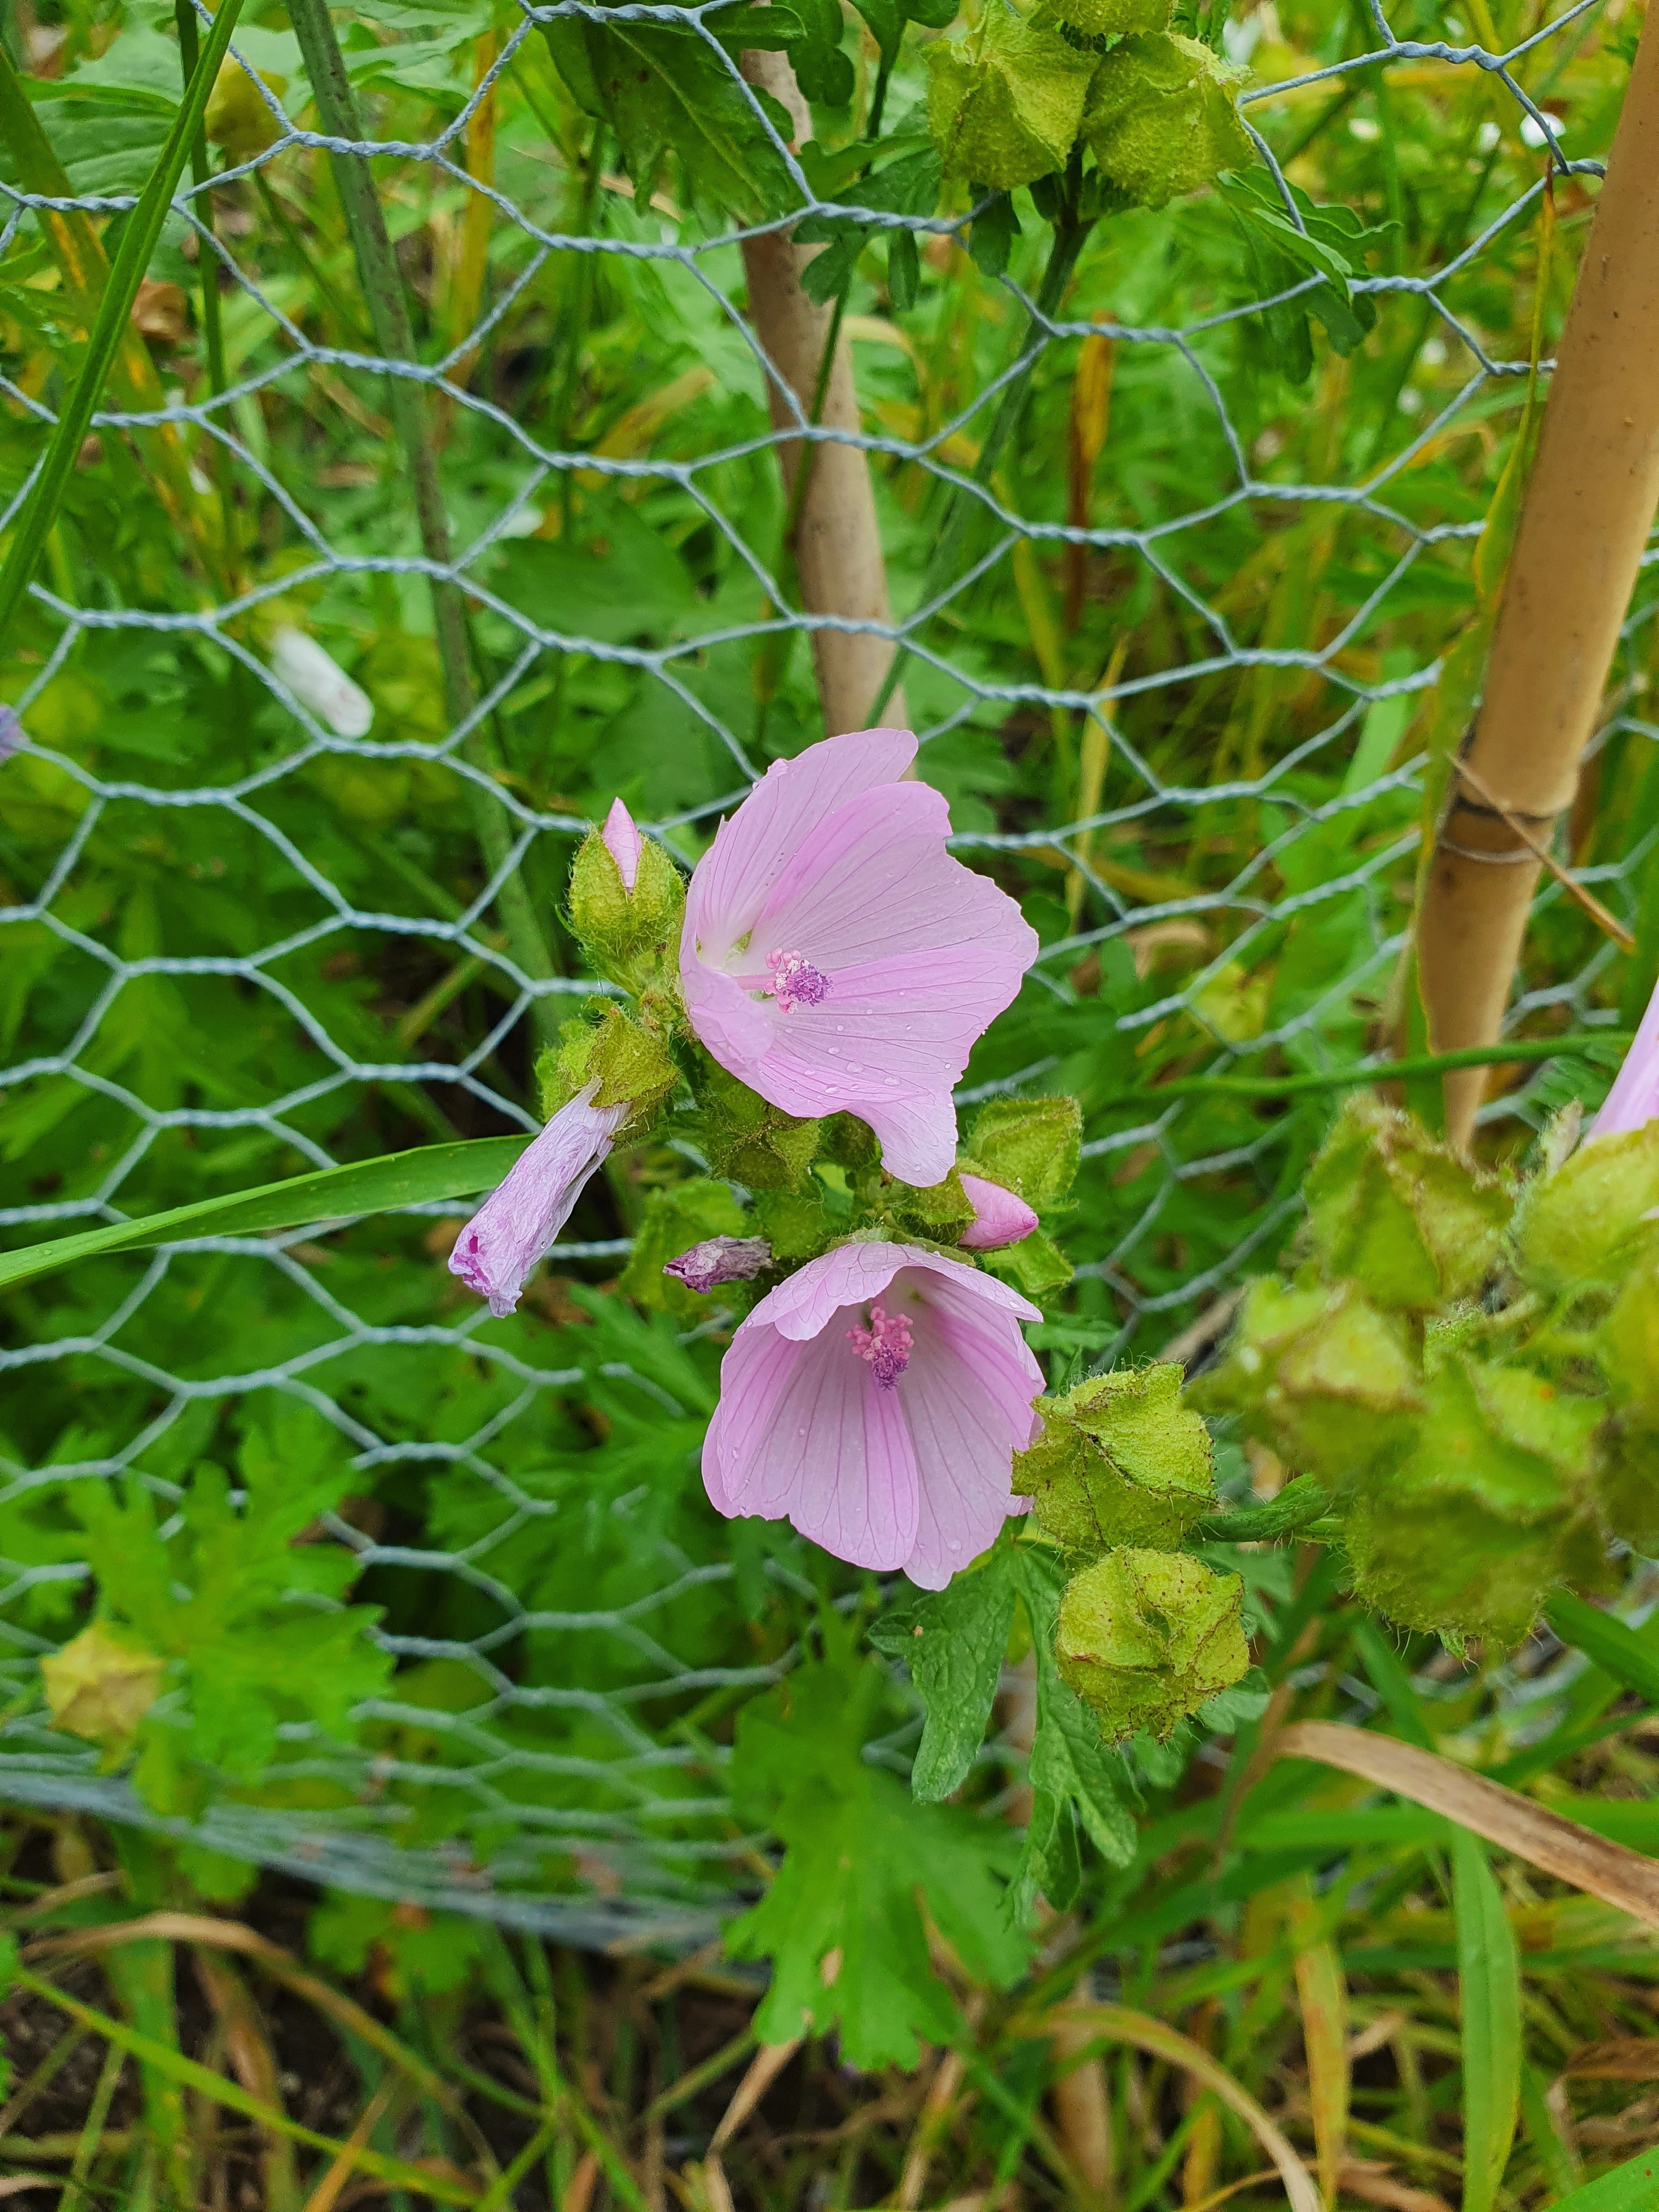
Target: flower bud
{"x":1004,"y":102}
{"x":1322,"y":1375}
{"x":614,"y":1060}
{"x":626,"y":903}
{"x":1146,"y":1638}
{"x":1408,"y":1218}
{"x":100,"y":1686}
{"x":1160,"y":119}
{"x":320,"y":684}
{"x":1627,"y":1342}
{"x":748,"y":1141}
{"x":1580,"y":1225}
{"x":1120,"y":1461}
{"x":1000,"y":1217}
{"x":1493,"y":1504}
{"x":1029,"y":1145}
{"x":721,"y":1260}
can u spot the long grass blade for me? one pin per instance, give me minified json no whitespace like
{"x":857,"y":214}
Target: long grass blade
{"x":1489,"y":1982}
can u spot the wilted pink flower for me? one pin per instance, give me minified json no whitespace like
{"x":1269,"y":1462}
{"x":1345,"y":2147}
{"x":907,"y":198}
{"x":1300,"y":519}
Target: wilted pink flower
{"x":720,"y":1260}
{"x":1634,"y":1098}
{"x":836,"y":958}
{"x":517,"y":1224}
{"x":1000,"y":1217}
{"x":875,"y":1399}
{"x":622,"y":842}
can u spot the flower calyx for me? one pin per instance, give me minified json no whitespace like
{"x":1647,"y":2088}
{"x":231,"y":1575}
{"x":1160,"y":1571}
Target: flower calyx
{"x":626,"y":903}
{"x":629,"y":1063}
{"x":1146,"y":1638}
{"x":1120,"y":1461}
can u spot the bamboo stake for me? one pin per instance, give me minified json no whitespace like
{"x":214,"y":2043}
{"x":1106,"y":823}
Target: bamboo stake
{"x":1585,"y":520}
{"x":837,"y":544}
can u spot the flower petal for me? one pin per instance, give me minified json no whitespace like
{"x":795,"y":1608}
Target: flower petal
{"x":513,"y":1229}
{"x":753,"y":846}
{"x":849,"y":1276}
{"x":804,"y":1432}
{"x":1633,"y":1100}
{"x":967,"y":1393}
{"x":1000,"y":1215}
{"x":623,"y":842}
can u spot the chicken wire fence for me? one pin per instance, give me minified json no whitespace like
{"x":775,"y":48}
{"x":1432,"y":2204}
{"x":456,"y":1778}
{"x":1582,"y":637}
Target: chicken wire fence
{"x":572,"y":1764}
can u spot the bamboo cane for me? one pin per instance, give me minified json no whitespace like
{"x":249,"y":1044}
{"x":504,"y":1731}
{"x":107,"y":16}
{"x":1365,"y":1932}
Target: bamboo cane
{"x":1587,"y":510}
{"x":837,"y":544}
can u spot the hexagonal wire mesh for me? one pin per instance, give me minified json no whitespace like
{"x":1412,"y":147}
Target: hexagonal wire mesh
{"x":570,"y":1763}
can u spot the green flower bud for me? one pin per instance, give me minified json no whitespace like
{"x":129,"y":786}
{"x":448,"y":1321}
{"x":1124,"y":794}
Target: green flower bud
{"x":626,"y":904}
{"x":1031,"y":1145}
{"x":630,"y":1063}
{"x":1160,"y":119}
{"x":1120,"y":1461}
{"x":1146,"y":1638}
{"x":1405,"y":1216}
{"x":101,"y":1684}
{"x":1004,"y":104}
{"x":1577,"y":1225}
{"x":1494,"y":1505}
{"x":1318,"y":1372}
{"x":940,"y":1213}
{"x":1627,"y":1479}
{"x":748,"y":1141}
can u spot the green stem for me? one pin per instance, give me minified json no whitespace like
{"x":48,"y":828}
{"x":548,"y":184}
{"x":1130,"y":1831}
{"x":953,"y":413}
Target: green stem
{"x":1070,"y":233}
{"x":139,"y":234}
{"x":213,"y":331}
{"x":388,"y":310}
{"x":1382,"y":1071}
{"x":1298,"y":1504}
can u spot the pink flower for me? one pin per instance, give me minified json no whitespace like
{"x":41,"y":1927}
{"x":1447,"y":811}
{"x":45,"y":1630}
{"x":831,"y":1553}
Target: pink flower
{"x":836,"y":959}
{"x":875,"y":1399}
{"x":513,"y":1229}
{"x":720,"y":1260}
{"x":623,"y":842}
{"x":1000,"y":1217}
{"x":1634,"y":1098}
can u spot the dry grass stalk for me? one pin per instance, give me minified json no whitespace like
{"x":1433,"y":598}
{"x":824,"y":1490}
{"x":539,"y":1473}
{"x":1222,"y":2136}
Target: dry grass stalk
{"x":1587,"y":510}
{"x":838,"y":543}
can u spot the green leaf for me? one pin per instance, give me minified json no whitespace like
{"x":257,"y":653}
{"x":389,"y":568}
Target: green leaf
{"x":432,"y":1171}
{"x":840,"y":1921}
{"x":1604,"y":1638}
{"x":1489,"y":1981}
{"x":663,"y":90}
{"x":953,"y":1640}
{"x":1633,"y":2187}
{"x":992,"y":234}
{"x":1071,"y":1770}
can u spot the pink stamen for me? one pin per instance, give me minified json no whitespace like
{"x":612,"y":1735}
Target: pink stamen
{"x":796,"y":981}
{"x":887,"y":1345}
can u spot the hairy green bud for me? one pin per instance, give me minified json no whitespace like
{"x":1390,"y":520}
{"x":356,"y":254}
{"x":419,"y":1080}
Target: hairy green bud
{"x":630,"y":1063}
{"x":940,"y":1212}
{"x":631,"y":936}
{"x":1578,"y":1224}
{"x":1029,"y":1145}
{"x":684,"y":1214}
{"x":1120,"y":1461}
{"x":1321,"y":1374}
{"x":1414,"y":1222}
{"x":1494,"y":1505}
{"x":1004,"y":102}
{"x":1160,"y":118}
{"x":1146,"y":1638}
{"x":1627,"y":1342}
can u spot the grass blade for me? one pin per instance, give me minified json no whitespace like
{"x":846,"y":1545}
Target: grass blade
{"x":1633,"y":2187}
{"x":1618,"y":1650}
{"x":413,"y":1178}
{"x":1489,"y":1979}
{"x":139,"y":235}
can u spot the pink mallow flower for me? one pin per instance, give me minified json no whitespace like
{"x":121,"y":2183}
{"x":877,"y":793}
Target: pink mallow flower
{"x":624,"y":843}
{"x":1634,"y":1098}
{"x":875,"y":1399}
{"x":999,"y":1216}
{"x":514,"y":1228}
{"x":836,"y":959}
